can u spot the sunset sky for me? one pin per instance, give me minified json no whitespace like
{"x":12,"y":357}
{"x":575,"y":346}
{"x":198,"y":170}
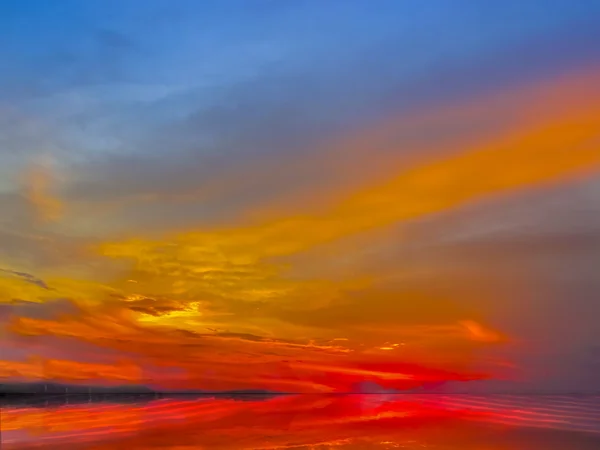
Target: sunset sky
{"x":300,"y":196}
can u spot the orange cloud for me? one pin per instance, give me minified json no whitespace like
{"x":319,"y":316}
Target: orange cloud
{"x":50,"y":369}
{"x":223,"y":361}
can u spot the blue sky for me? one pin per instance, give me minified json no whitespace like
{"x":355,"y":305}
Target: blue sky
{"x":341,"y":57}
{"x":232,"y":80}
{"x":156,"y":116}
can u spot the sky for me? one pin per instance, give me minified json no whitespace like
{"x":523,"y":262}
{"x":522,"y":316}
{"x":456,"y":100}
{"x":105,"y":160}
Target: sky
{"x":300,"y":196}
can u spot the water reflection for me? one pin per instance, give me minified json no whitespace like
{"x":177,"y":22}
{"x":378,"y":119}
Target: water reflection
{"x":449,"y":422}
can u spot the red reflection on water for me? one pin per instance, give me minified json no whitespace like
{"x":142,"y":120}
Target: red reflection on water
{"x":297,"y":422}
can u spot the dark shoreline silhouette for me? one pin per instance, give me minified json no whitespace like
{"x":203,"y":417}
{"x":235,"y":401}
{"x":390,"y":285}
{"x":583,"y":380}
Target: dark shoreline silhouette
{"x":61,"y":388}
{"x":50,"y":394}
{"x":41,"y":388}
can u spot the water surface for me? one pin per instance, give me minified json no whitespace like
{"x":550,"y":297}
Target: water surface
{"x":445,"y":422}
